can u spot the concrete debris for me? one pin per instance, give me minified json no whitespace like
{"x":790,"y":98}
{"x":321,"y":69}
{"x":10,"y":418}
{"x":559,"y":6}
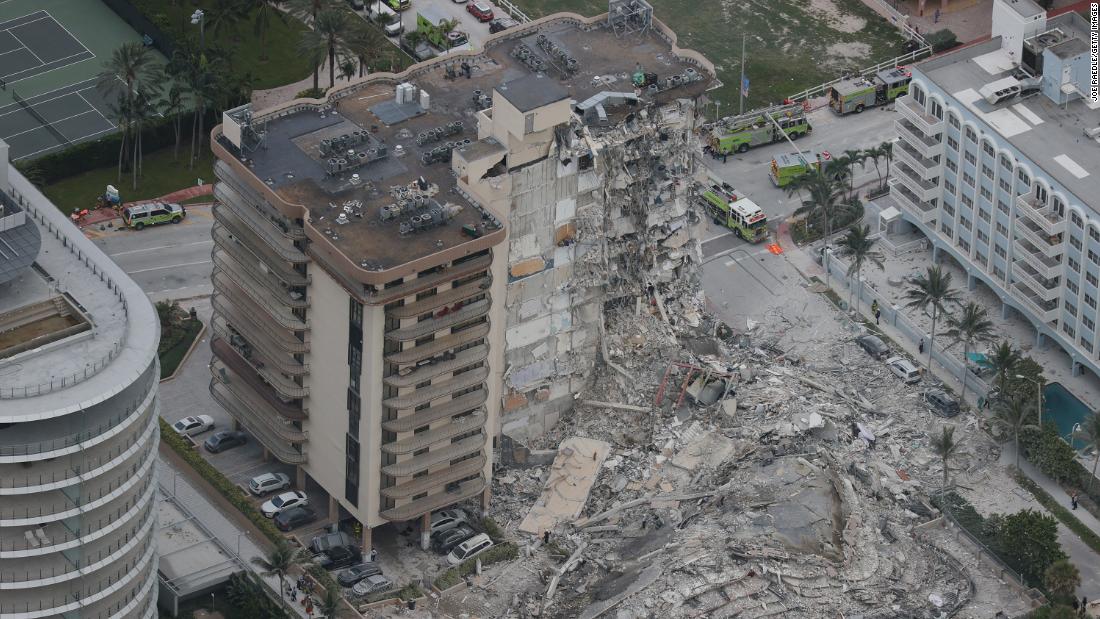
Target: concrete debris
{"x":571,"y":477}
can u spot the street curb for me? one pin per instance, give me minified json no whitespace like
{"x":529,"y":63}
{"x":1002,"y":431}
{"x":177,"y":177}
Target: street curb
{"x":186,"y":355}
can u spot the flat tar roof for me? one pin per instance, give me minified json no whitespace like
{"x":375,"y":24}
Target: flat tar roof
{"x":531,"y":92}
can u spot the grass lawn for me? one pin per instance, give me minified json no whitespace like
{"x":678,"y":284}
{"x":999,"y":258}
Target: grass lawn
{"x":792,"y":44}
{"x":283,"y":65}
{"x":163,"y":175}
{"x":174,"y":343}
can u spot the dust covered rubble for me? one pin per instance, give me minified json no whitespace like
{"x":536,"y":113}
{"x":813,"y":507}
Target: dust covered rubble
{"x":785,"y":483}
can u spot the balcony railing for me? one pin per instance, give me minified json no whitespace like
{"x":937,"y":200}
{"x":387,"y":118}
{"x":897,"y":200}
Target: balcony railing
{"x":423,"y":462}
{"x":463,"y":403}
{"x":281,"y":269}
{"x":924,"y":190}
{"x":1046,"y":266}
{"x":254,"y":327}
{"x":438,"y":345}
{"x":423,"y":440}
{"x":255,"y":235}
{"x":925,"y":167}
{"x":280,"y":448}
{"x":227,"y":194}
{"x":440,"y":322}
{"x":428,"y":372}
{"x":446,"y":297}
{"x":923,"y":211}
{"x":927,"y":146}
{"x":915,"y":113}
{"x":1048,"y":290}
{"x":1043,"y":216}
{"x":250,"y":275}
{"x":420,"y":284}
{"x":226,"y":175}
{"x":420,"y":485}
{"x":1051,"y":247}
{"x":257,"y":373}
{"x":1045,"y":311}
{"x":266,"y":355}
{"x":260,"y":399}
{"x":432,"y":502}
{"x":258,"y":300}
{"x":435,"y":391}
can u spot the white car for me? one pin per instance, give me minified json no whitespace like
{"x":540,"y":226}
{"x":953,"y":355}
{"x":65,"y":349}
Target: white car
{"x":469,"y":548}
{"x":903,"y":369}
{"x":372,"y":584}
{"x":190,"y":426}
{"x":268,"y":483}
{"x":284,"y":502}
{"x":447,"y":519}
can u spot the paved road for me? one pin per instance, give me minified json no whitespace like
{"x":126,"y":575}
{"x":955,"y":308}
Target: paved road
{"x":167,"y":261}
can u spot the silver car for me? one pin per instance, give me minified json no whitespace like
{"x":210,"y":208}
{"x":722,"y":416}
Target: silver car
{"x":903,"y":369}
{"x":372,"y":584}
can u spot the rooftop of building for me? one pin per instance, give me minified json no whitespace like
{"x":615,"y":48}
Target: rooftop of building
{"x":98,"y":331}
{"x":19,"y":240}
{"x":300,"y":162}
{"x":1049,"y":134}
{"x":1025,"y":8}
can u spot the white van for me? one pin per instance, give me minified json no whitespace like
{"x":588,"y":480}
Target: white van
{"x":469,"y":548}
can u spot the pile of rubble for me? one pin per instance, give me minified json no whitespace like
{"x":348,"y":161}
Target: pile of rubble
{"x":776,"y":472}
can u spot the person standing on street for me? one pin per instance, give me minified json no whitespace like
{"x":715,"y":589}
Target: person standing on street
{"x":920,"y":347}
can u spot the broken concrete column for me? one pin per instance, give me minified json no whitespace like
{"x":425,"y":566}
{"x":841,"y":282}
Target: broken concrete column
{"x":425,"y":531}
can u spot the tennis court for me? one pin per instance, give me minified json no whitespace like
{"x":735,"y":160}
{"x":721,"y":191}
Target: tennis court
{"x":51,"y":53}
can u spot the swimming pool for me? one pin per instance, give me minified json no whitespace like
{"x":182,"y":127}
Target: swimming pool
{"x":1065,"y":410}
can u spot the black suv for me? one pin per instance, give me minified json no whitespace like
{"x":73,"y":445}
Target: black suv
{"x":874,"y":346}
{"x":941,"y":403}
{"x":340,"y":556}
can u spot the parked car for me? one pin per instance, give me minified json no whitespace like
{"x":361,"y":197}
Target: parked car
{"x":470,"y":548}
{"x":293,"y":518}
{"x":903,"y":369}
{"x":284,"y":501}
{"x":355,"y":573}
{"x":447,"y":519}
{"x":340,"y":556}
{"x":372,"y":584}
{"x":456,"y":38}
{"x":482,"y":11}
{"x":322,"y":543}
{"x":445,"y":541}
{"x":941,"y":403}
{"x":501,"y":23}
{"x":394,"y":28}
{"x":224,"y":440}
{"x":151,"y":213}
{"x":190,"y":426}
{"x":268,"y":483}
{"x":874,"y":346}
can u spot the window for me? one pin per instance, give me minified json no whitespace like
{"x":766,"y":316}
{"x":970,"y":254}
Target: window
{"x":954,"y":120}
{"x":949,"y":186}
{"x":969,"y":180}
{"x":1089,"y":324}
{"x":983,"y":237}
{"x":1086,"y":344}
{"x":988,"y":171}
{"x":964,"y":223}
{"x":1002,"y":207}
{"x":953,"y":143}
{"x":1024,"y":178}
{"x":970,"y":158}
{"x":964,"y":245}
{"x":981,"y":259}
{"x":945,"y":229}
{"x":1005,"y":163}
{"x":355,"y":308}
{"x":351,"y":471}
{"x":984,"y":214}
{"x":1070,"y":331}
{"x":1076,"y":219}
{"x":918,"y":94}
{"x":967,"y":201}
{"x":1090,"y":278}
{"x":1073,"y":264}
{"x":1004,"y":185}
{"x":1000,"y":251}
{"x":948,"y":209}
{"x":1094,"y":234}
{"x":1093,"y":257}
{"x":987,"y":194}
{"x":1072,"y":286}
{"x":952,"y":166}
{"x":971,"y":135}
{"x":1071,"y":308}
{"x":1076,"y":242}
{"x":988,"y":149}
{"x":1090,"y":300}
{"x":529,"y":123}
{"x":1002,"y":229}
{"x":998,"y":272}
{"x":1040,"y":194}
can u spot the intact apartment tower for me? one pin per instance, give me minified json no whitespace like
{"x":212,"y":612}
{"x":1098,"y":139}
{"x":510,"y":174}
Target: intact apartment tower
{"x":999,"y":166}
{"x":78,"y":420}
{"x":418,"y":263}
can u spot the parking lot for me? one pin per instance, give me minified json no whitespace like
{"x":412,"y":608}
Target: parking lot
{"x":476,"y":31}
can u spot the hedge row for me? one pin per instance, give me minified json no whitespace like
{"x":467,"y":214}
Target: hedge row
{"x":501,"y":552}
{"x":220,"y":482}
{"x":1054,"y":457}
{"x":1060,"y":512}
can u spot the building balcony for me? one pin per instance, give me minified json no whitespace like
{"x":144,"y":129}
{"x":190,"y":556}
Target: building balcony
{"x":418,"y":464}
{"x":284,"y":450}
{"x":251,"y":324}
{"x":432,"y":481}
{"x":433,"y":280}
{"x":438,"y":346}
{"x":1049,"y":268}
{"x":436,"y":501}
{"x":256,"y":301}
{"x":1045,"y":289}
{"x":444,"y":319}
{"x":923,"y":211}
{"x":253,"y":198}
{"x":927,"y":146}
{"x":260,"y":398}
{"x":462,"y":404}
{"x":1045,"y":311}
{"x":1049,"y":246}
{"x":255,"y":370}
{"x":259,"y":353}
{"x":915,"y":113}
{"x":924,"y":190}
{"x":263,"y":260}
{"x":928,"y":169}
{"x":438,"y":368}
{"x":435,"y":391}
{"x":1043,"y":216}
{"x":256,"y":235}
{"x":444,"y":298}
{"x":245,"y":206}
{"x":253,"y":276}
{"x":423,"y":440}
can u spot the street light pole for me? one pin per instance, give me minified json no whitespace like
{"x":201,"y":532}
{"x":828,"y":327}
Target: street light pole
{"x":197,"y":19}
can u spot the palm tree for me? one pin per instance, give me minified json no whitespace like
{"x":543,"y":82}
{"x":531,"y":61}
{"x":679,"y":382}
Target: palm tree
{"x":1013,"y":415}
{"x":1061,"y":579}
{"x":328,"y":38}
{"x":858,"y":245}
{"x":887,"y":150}
{"x":366,"y":43}
{"x":347,"y":69}
{"x":277,"y":563}
{"x":933,"y":289}
{"x":141,"y":110}
{"x":223,"y":17}
{"x":945,"y":446}
{"x":1091,"y":428}
{"x":1003,"y":361}
{"x":852,"y":157}
{"x":824,"y":195}
{"x":329,"y":604}
{"x":173,"y":107}
{"x":970,"y":327}
{"x":874,"y":154}
{"x":265,"y":12}
{"x":307,"y":10}
{"x":132,"y":66}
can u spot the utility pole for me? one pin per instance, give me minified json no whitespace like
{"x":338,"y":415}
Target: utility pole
{"x":741,"y":86}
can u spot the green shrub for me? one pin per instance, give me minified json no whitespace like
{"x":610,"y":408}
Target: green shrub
{"x":492,"y":529}
{"x":1050,"y":454}
{"x":941,"y":40}
{"x":1086,"y":534}
{"x":322,"y":576}
{"x":172,"y":355}
{"x":501,"y":552}
{"x":311,"y":93}
{"x":220,"y":482}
